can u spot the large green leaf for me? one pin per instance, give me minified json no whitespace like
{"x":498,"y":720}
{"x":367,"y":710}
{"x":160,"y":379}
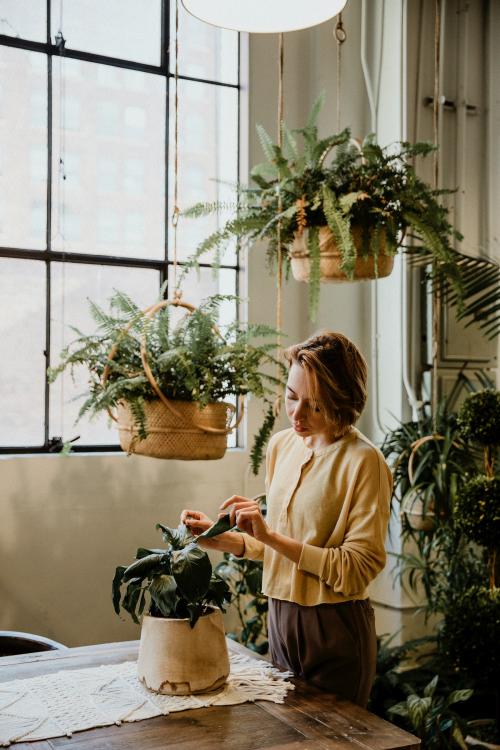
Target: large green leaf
{"x":219,"y":527}
{"x":145,"y":566}
{"x":117,"y":581}
{"x":177,"y":538}
{"x":192,"y":570}
{"x":163,"y":590}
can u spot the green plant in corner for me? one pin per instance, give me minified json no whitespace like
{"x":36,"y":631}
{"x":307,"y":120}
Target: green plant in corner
{"x":371,"y":201}
{"x":175,"y":582}
{"x":431,"y":717}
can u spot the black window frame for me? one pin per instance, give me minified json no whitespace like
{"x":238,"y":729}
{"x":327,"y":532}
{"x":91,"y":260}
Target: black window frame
{"x":50,"y":256}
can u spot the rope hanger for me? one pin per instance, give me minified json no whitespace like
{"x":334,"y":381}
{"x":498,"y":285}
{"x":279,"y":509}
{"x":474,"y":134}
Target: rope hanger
{"x":340,"y":37}
{"x":176,"y":210}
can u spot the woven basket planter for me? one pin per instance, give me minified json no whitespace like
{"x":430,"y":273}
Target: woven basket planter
{"x":176,"y":659}
{"x":330,"y":259}
{"x":177,"y":437}
{"x":175,"y":429}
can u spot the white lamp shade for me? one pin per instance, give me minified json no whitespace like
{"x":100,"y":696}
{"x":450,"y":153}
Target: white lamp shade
{"x":264,"y":16}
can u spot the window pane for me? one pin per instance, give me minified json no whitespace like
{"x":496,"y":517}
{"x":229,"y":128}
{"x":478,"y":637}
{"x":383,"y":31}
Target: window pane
{"x":128,"y":29}
{"x":198,"y":285}
{"x":204,"y":51}
{"x":23,"y":148}
{"x":72,"y":286}
{"x":208,"y":160}
{"x":108,"y":161}
{"x":22,"y":344}
{"x":25,"y":19}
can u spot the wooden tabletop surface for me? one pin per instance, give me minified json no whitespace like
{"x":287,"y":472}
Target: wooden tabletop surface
{"x":310,"y":719}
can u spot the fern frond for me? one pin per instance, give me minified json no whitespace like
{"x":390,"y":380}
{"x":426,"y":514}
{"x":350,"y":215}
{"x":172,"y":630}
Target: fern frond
{"x":341,"y":230}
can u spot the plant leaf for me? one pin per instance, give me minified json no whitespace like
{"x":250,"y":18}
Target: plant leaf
{"x":192,"y":571}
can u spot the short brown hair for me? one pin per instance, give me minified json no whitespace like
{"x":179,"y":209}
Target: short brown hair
{"x":336,"y":372}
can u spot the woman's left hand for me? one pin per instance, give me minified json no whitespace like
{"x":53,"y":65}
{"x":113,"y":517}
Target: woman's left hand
{"x":247,"y":515}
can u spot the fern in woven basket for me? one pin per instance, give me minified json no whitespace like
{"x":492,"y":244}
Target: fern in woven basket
{"x":338,"y":183}
{"x":192,"y":361}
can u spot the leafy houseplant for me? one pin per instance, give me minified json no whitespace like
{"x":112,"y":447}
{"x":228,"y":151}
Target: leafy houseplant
{"x":431,"y":717}
{"x":180,"y":600}
{"x":366,"y":200}
{"x":244,"y":578}
{"x":193,"y":364}
{"x":471,"y":633}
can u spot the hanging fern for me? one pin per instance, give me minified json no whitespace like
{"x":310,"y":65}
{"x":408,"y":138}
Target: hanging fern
{"x":341,"y":230}
{"x":371,"y":187}
{"x":314,"y":270}
{"x":190,"y":362}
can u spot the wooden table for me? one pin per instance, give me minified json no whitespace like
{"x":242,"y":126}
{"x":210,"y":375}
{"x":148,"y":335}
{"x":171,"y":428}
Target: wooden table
{"x":310,"y":719}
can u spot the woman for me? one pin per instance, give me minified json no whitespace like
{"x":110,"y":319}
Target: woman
{"x":322,"y":542}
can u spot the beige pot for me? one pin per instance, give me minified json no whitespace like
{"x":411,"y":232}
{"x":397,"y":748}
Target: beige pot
{"x":179,"y":437}
{"x":176,"y":659}
{"x":413,"y":509}
{"x":330,"y":258}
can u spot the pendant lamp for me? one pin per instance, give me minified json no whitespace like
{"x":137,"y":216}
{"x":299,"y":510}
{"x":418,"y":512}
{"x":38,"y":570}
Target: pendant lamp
{"x":262,"y":16}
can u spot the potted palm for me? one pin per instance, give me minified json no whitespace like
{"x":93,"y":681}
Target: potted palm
{"x":182,"y":648}
{"x":170,"y":384}
{"x":342,"y":210}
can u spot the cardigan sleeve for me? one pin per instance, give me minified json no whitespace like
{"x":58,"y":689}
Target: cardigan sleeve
{"x":349,"y":567}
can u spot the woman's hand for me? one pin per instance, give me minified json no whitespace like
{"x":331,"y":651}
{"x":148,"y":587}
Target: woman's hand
{"x":247,"y":515}
{"x":198,"y":522}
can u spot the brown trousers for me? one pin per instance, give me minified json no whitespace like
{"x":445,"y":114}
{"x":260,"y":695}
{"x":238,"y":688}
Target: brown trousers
{"x":332,"y":646}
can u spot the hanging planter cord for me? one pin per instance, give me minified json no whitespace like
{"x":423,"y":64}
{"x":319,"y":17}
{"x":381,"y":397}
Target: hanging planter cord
{"x":340,"y":36}
{"x":279,"y":279}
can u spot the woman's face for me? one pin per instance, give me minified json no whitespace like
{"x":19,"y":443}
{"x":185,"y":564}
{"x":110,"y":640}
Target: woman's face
{"x":305,"y":419}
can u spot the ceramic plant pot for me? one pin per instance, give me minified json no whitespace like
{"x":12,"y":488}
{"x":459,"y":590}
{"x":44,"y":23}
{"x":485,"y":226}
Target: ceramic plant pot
{"x":176,"y":659}
{"x":330,"y":259}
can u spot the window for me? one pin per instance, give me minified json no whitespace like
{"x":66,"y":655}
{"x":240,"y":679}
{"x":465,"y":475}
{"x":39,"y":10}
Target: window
{"x":86,"y":185}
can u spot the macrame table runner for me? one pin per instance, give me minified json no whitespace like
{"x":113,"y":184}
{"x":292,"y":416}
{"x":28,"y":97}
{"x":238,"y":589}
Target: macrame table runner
{"x":68,"y":701}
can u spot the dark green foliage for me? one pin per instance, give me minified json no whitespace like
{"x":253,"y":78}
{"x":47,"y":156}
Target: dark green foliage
{"x":262,"y":438}
{"x":470,"y":638}
{"x":175,"y":582}
{"x":244,"y":578}
{"x":477,"y":511}
{"x":479,"y":417}
{"x":431,"y":717}
{"x":191,"y":362}
{"x":374,"y":188}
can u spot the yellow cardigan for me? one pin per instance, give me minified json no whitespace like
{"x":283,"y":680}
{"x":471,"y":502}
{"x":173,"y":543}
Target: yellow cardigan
{"x":336,"y":501}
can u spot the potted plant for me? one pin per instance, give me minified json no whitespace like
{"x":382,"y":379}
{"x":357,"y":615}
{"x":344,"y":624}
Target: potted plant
{"x":169,"y":383}
{"x":182,"y":648}
{"x":432,"y":717}
{"x":471,"y":633}
{"x":341,"y":210}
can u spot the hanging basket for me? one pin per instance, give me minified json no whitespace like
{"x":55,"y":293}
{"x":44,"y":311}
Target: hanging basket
{"x":175,"y":429}
{"x":331,"y":258}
